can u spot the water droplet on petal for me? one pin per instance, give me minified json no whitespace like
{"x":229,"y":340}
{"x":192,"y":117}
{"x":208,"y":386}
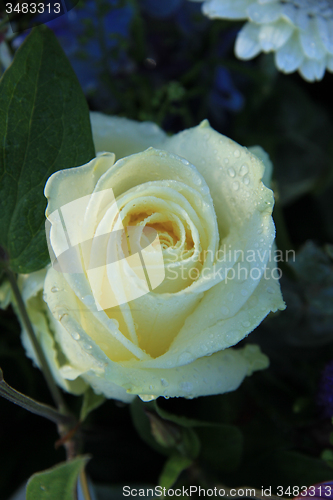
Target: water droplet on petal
{"x":186,"y":386}
{"x":62,"y":315}
{"x":235,"y":186}
{"x":54,"y":289}
{"x":76,"y":335}
{"x":185,"y":357}
{"x":246,"y":323}
{"x":164,"y":382}
{"x":246,"y":180}
{"x":185,"y":162}
{"x":236,"y":153}
{"x":231,"y":172}
{"x":244,"y":169}
{"x":226,"y":160}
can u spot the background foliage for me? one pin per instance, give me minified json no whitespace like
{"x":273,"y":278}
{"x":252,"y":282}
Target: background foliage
{"x":168,"y":64}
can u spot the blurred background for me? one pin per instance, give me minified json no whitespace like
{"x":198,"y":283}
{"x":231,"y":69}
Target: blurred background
{"x":163,"y":61}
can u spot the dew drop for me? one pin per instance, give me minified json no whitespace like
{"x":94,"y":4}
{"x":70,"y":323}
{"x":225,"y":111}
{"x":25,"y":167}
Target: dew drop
{"x":186,"y":386}
{"x":44,"y":297}
{"x":197,"y":181}
{"x":76,"y":335}
{"x":185,"y":162}
{"x":244,"y":169}
{"x":164,"y":382}
{"x":226,"y":161}
{"x":185,"y":357}
{"x":246,"y":323}
{"x":86,"y":346}
{"x":88,"y":300}
{"x":205,"y":190}
{"x":54,"y":289}
{"x":259,"y":231}
{"x":236,"y":153}
{"x":62,"y":315}
{"x":231,"y":172}
{"x":246,"y":180}
{"x":235,"y":186}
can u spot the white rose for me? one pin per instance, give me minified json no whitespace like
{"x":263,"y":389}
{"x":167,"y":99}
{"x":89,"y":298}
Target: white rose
{"x":204,"y":196}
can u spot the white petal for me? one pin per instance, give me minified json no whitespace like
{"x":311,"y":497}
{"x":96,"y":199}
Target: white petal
{"x":224,"y":317}
{"x":312,"y":70}
{"x":247,"y":43}
{"x":264,"y":157}
{"x":222,"y":372}
{"x":228,"y":9}
{"x":329,"y":63}
{"x":311,"y":42}
{"x":289,"y":12}
{"x":302,"y":19}
{"x":325,"y":29}
{"x":266,"y":13}
{"x":290,"y":56}
{"x":122,"y":136}
{"x":32,"y":287}
{"x":273,"y":36}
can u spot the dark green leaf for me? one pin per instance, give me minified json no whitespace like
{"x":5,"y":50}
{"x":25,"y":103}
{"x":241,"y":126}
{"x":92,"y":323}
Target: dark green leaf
{"x":172,"y":469}
{"x":180,"y":419}
{"x":91,"y":401}
{"x":45,"y":127}
{"x":221,"y":447}
{"x":56,"y":483}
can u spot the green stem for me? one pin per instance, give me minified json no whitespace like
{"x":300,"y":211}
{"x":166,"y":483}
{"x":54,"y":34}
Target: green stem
{"x":56,"y":394}
{"x":30,"y":404}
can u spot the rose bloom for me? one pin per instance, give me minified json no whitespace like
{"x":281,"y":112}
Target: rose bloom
{"x":203,"y":195}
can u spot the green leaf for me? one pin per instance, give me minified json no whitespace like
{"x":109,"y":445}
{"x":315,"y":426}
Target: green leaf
{"x":57,"y":482}
{"x":45,"y":127}
{"x":172,"y":469}
{"x":91,"y":401}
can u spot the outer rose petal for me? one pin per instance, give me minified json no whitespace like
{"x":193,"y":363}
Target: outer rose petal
{"x":222,"y":372}
{"x":126,"y":136}
{"x":32,"y":287}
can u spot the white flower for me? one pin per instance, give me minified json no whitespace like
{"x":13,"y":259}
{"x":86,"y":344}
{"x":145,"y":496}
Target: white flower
{"x":203,"y":194}
{"x":300,"y":32}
